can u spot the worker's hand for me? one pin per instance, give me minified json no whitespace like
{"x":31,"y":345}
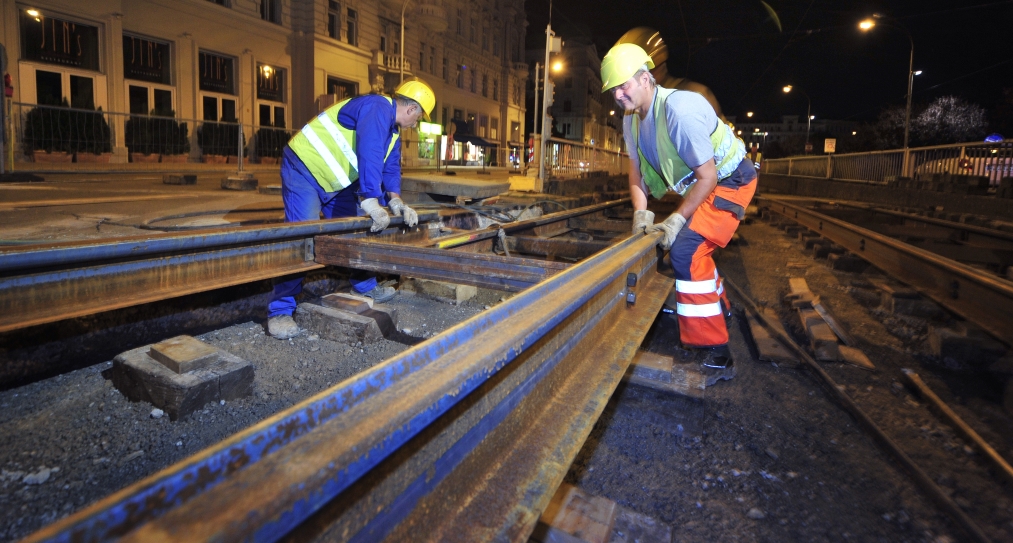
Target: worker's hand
{"x":398,"y":207}
{"x":671,"y":227}
{"x":642,"y":220}
{"x":376,"y":212}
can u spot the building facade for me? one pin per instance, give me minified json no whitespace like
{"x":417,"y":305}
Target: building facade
{"x":266,"y":63}
{"x":791,"y":128}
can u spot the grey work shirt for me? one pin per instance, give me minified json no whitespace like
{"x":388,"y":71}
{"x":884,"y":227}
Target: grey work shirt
{"x":691,"y":121}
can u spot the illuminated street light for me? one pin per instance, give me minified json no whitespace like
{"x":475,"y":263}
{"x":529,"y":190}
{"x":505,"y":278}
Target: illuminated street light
{"x":808,"y":113}
{"x":853,"y":133}
{"x":557,"y":66}
{"x":756,"y":130}
{"x":749,"y":114}
{"x":867,"y":25}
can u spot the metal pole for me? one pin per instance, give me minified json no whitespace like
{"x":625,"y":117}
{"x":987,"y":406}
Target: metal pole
{"x":403,"y":8}
{"x":536,"y":113}
{"x":240,"y":143}
{"x":910,"y":84}
{"x":545,"y":98}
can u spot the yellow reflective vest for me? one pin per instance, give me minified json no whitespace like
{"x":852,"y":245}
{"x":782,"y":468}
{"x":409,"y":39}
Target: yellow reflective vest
{"x":328,"y":149}
{"x":675,"y":174}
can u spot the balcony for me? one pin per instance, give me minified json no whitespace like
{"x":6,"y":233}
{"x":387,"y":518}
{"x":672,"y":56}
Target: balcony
{"x":391,"y":63}
{"x":433,"y":17}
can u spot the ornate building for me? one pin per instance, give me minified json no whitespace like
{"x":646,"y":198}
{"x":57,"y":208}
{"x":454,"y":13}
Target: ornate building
{"x":267,"y":62}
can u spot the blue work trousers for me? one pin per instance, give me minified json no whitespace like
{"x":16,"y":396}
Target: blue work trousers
{"x":305,"y":200}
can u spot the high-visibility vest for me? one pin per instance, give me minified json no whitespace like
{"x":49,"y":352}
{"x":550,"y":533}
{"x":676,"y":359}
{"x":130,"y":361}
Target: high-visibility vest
{"x":328,"y":149}
{"x":675,"y":174}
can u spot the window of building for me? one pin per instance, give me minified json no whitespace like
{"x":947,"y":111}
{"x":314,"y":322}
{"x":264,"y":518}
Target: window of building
{"x":485,"y":37}
{"x":226,"y":3}
{"x":485,"y":85}
{"x":341,"y":89}
{"x":460,"y":22}
{"x":334,"y":19}
{"x":352,"y":27}
{"x":460,"y":75}
{"x":148,"y":74}
{"x":474,"y":31}
{"x":568,"y":83}
{"x":472,"y":125}
{"x":458,"y":114}
{"x":145,"y":100}
{"x":270,"y":10}
{"x":422,"y":57}
{"x":67,"y":44}
{"x":432,"y":59}
{"x":217,"y":83}
{"x":446,"y":71}
{"x":271,"y":95}
{"x":483,"y":126}
{"x":515,"y":131}
{"x":566,"y":106}
{"x":494,"y":128}
{"x":443,"y":116}
{"x":474,"y":81}
{"x":495,"y":89}
{"x":495,"y":44}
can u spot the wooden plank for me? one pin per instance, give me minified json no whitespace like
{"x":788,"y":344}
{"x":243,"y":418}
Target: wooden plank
{"x":855,"y":357}
{"x":821,"y":337}
{"x":577,"y":514}
{"x":768,"y":348}
{"x":660,"y":372}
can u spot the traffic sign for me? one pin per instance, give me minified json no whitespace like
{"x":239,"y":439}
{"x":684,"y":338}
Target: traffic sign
{"x":830,"y":145}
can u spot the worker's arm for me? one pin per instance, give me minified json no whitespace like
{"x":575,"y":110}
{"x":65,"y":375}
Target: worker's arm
{"x":392,"y":171}
{"x":638,"y":189}
{"x":372,"y":137}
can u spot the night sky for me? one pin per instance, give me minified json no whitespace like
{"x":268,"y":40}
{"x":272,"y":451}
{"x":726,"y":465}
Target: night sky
{"x":965,"y":48}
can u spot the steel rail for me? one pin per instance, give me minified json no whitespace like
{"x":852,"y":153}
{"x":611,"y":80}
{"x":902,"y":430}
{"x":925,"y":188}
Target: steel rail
{"x":47,"y":283}
{"x":979,"y":297}
{"x":519,"y":226}
{"x":464,"y":437}
{"x":970,"y":233}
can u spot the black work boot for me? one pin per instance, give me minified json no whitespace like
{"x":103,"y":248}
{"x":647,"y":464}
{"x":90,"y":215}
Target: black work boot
{"x":716,"y":364}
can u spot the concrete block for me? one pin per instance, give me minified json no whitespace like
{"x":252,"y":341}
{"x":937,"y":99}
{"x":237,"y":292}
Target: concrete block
{"x":271,"y":190}
{"x":811,"y":242}
{"x":821,"y":337}
{"x":793,"y":231}
{"x":847,"y":263}
{"x":823,"y":250}
{"x":172,"y":179}
{"x":964,"y":346}
{"x":661,"y":372}
{"x":140,"y":377}
{"x":184,"y":353}
{"x":914,"y":307}
{"x":347,"y":302}
{"x":451,"y":293}
{"x":347,"y":327}
{"x":239,"y":182}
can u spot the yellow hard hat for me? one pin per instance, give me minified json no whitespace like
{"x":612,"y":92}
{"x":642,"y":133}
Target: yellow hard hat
{"x":421,"y":93}
{"x":649,"y":40}
{"x":621,"y":62}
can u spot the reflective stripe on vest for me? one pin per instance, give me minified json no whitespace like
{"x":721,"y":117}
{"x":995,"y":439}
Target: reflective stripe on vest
{"x":696,"y":287}
{"x":698,"y":310}
{"x":677,"y":176}
{"x":328,"y":149}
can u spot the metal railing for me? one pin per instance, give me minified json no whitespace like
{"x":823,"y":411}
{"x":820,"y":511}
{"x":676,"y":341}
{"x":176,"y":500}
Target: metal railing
{"x":991,"y":160}
{"x":565,"y":158}
{"x":62,"y":134}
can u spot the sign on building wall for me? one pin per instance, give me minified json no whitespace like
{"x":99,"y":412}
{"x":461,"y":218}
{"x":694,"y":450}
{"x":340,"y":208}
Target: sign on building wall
{"x":217,"y":73}
{"x":146,"y":60}
{"x":830,"y":145}
{"x":270,"y":83}
{"x":55,"y":41}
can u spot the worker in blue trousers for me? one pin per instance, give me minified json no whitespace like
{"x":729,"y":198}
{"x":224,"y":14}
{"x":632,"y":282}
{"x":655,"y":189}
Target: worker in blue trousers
{"x":344,"y":163}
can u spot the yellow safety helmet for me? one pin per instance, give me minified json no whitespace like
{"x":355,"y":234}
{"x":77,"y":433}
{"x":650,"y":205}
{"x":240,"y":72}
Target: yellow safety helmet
{"x":649,"y":40}
{"x":421,"y":93}
{"x":621,"y":62}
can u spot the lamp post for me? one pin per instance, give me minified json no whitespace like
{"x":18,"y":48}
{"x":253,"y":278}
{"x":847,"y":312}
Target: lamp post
{"x":404,"y":7}
{"x":808,"y":113}
{"x":870,"y":23}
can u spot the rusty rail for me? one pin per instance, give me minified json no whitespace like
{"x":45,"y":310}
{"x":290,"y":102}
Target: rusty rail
{"x":52,"y":282}
{"x":979,"y":297}
{"x":464,"y":437}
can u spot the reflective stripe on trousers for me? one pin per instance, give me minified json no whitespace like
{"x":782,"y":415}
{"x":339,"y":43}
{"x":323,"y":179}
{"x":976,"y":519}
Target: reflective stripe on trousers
{"x":699,"y":292}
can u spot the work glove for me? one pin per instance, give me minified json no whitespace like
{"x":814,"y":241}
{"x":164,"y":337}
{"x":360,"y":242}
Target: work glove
{"x":670,"y":227}
{"x":642,"y":220}
{"x":376,"y":212}
{"x":397,"y":207}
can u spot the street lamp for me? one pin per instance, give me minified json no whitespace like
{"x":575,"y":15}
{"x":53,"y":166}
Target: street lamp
{"x":870,"y":23}
{"x":404,"y":6}
{"x":808,"y":113}
{"x":749,"y":114}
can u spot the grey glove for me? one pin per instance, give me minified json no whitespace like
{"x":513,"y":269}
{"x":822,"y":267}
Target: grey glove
{"x":379,"y":215}
{"x":642,"y":220}
{"x":397,"y":207}
{"x":670,"y":227}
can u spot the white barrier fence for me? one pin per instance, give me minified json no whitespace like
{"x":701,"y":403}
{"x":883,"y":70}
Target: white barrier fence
{"x":992,"y":160}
